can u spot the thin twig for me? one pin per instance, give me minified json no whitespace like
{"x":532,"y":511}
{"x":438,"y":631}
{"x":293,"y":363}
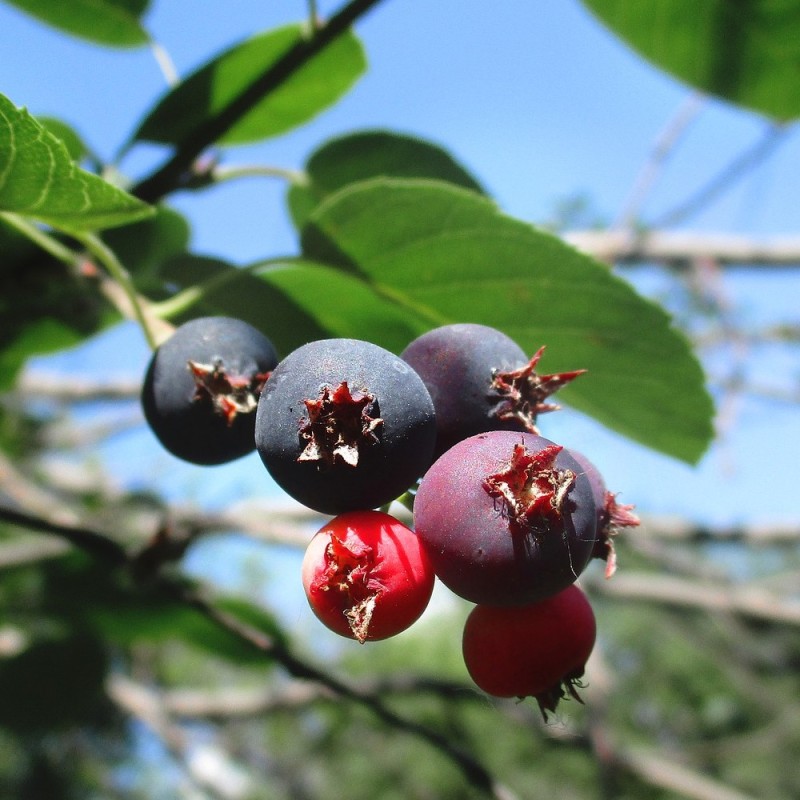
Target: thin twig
{"x":113,"y":554}
{"x":729,"y":176}
{"x":663,"y":148}
{"x":171,"y":174}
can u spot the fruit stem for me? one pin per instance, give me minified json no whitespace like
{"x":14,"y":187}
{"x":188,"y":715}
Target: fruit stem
{"x":183,"y":301}
{"x":47,"y":242}
{"x":108,"y":258}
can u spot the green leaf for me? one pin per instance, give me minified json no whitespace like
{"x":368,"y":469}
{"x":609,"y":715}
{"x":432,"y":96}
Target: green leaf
{"x":745,"y":52}
{"x":53,"y":684}
{"x":233,"y":291}
{"x":125,"y":613}
{"x":144,"y":245}
{"x":345,"y":305}
{"x":69,"y":137}
{"x":295,"y":302}
{"x":44,"y":307}
{"x":212,"y":88}
{"x":108,"y":22}
{"x":372,"y":154}
{"x":449,"y":255}
{"x":130,"y":620}
{"x":39,"y":179}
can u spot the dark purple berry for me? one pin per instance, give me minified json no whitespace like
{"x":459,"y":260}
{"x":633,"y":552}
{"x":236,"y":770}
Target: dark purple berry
{"x":202,"y":386}
{"x":344,"y":425}
{"x":506,"y":518}
{"x":611,"y":515}
{"x":480,"y":380}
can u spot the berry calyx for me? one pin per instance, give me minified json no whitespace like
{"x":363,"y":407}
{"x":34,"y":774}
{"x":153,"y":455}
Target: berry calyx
{"x":229,"y":394}
{"x":611,"y":515}
{"x":532,"y":488}
{"x":538,"y":650}
{"x":339,"y":425}
{"x":523,"y":392}
{"x":366,"y":576}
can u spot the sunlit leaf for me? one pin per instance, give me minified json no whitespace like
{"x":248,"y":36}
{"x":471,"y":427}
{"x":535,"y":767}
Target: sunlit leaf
{"x":68,"y":136}
{"x":372,"y":154}
{"x":39,"y":179}
{"x":211,"y":89}
{"x":449,"y":255}
{"x":116,"y":23}
{"x":744,"y":52}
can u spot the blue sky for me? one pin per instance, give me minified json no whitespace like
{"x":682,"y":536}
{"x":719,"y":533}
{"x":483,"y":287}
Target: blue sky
{"x":541,"y":104}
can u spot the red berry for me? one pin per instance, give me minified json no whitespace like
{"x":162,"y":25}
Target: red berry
{"x":366,"y":576}
{"x":538,"y":650}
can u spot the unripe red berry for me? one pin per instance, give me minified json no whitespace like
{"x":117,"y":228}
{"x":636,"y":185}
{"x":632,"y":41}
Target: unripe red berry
{"x":538,"y":650}
{"x":366,"y":576}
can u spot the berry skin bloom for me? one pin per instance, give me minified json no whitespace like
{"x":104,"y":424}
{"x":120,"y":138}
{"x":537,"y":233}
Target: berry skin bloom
{"x":366,"y":576}
{"x":538,"y":650}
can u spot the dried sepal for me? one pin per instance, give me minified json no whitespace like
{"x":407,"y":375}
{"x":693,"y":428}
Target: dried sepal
{"x":532,"y":488}
{"x":566,"y":688}
{"x":523,"y":392}
{"x":229,"y":394}
{"x":349,"y":565}
{"x":339,"y":426}
{"x":614,"y":517}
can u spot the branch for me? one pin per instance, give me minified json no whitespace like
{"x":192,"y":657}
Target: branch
{"x":676,"y":529}
{"x":673,"y":776}
{"x":72,"y":389}
{"x":208,"y":768}
{"x":238,"y":703}
{"x":96,"y":544}
{"x":753,"y":602}
{"x":774,"y":135}
{"x":171,"y":174}
{"x":113,"y":554}
{"x":663,"y":148}
{"x":475,"y":773}
{"x":679,"y":249}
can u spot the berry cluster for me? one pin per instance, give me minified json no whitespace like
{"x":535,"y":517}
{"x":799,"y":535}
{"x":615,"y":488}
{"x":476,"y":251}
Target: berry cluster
{"x":503,"y":517}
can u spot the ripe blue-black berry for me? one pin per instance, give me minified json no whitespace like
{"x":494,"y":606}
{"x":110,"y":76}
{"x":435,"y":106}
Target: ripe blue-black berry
{"x":344,"y":425}
{"x":201,"y":389}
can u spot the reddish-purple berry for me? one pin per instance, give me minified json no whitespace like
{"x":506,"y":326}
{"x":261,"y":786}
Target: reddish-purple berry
{"x":506,"y":518}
